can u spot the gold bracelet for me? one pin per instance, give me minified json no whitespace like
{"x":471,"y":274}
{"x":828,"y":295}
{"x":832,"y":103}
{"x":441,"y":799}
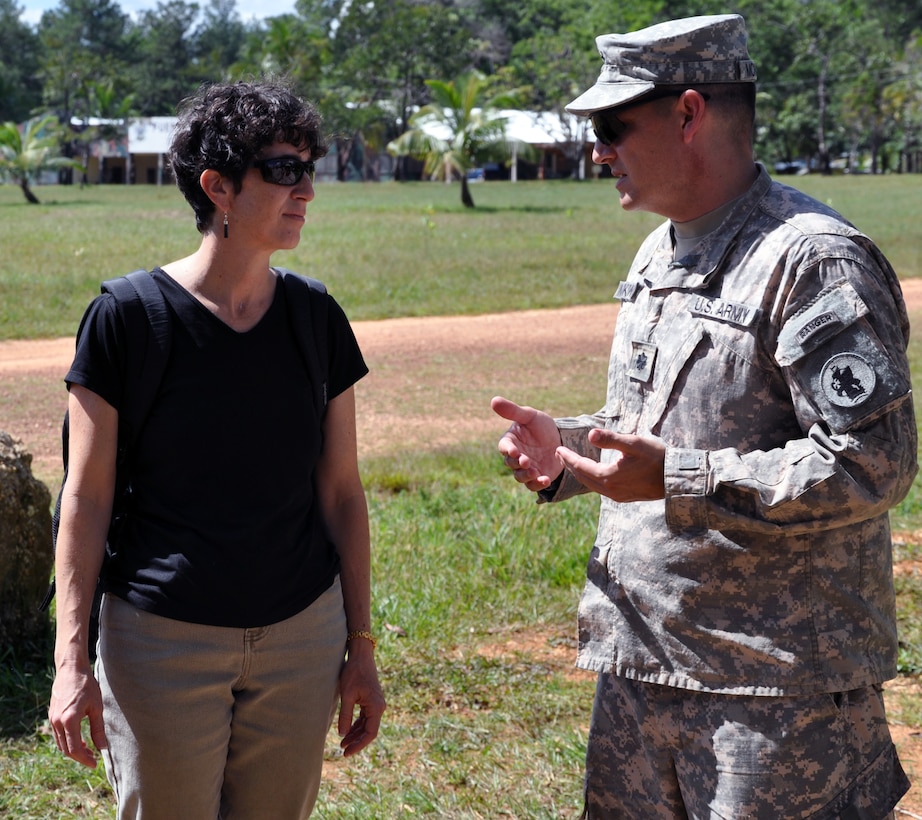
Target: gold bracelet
{"x":361,"y":633}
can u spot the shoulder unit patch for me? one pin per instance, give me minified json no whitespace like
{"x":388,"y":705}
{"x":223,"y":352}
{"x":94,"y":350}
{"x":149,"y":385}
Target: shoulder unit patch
{"x":848,"y":380}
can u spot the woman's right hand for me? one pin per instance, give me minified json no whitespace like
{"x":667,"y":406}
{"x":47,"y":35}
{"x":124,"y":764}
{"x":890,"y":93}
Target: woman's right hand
{"x":86,"y":509}
{"x":75,"y":695}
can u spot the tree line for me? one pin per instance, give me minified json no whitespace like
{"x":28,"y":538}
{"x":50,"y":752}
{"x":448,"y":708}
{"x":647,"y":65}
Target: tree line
{"x":840,"y":81}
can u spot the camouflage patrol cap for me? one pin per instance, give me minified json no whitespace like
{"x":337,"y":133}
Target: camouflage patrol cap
{"x":690,"y":51}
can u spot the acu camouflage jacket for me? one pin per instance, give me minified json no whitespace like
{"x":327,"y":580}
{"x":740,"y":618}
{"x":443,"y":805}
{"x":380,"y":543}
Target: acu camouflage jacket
{"x":772,"y":363}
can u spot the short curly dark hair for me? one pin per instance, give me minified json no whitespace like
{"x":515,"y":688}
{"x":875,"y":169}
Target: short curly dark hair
{"x":225,"y":126}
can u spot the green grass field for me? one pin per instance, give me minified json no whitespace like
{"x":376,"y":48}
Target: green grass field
{"x":387,"y":249}
{"x":475,"y":588}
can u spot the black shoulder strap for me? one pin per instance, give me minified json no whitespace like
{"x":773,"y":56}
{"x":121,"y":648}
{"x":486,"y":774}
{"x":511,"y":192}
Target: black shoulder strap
{"x":147,"y":339}
{"x":147,"y":327}
{"x":308,"y":313}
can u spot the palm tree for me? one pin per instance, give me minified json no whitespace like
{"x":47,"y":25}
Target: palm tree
{"x":473,"y":130}
{"x":23,"y":156}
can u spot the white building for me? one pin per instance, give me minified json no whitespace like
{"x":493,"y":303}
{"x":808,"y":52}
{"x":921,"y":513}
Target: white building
{"x":138,"y":155}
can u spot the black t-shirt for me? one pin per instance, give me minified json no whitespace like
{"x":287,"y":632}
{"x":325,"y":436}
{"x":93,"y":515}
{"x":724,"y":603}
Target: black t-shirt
{"x":224,"y":527}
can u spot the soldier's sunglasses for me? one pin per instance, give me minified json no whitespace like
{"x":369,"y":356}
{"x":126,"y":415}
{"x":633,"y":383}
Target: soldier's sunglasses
{"x":609,"y":129}
{"x":285,"y":170}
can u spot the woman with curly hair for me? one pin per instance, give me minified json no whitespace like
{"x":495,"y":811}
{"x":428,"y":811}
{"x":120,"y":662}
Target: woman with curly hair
{"x":237,"y":599}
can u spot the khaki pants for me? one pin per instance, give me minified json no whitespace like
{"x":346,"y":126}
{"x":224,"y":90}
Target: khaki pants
{"x":206,"y":722}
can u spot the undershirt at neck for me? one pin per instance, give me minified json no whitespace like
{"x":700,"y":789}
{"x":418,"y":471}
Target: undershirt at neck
{"x":688,"y":234}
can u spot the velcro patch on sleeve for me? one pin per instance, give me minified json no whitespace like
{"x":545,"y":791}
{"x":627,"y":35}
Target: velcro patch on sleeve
{"x":839,"y":362}
{"x":829,"y":314}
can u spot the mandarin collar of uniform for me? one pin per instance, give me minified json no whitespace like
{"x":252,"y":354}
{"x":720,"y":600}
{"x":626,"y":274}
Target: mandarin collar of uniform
{"x":696,"y":270}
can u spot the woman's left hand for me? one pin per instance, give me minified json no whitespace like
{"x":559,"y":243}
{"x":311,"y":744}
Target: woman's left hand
{"x":359,"y":687}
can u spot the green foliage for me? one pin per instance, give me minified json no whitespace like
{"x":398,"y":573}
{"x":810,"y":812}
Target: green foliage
{"x":24,"y":155}
{"x":824,"y":71}
{"x":473,"y":130}
{"x":292,"y":47}
{"x":906,"y":517}
{"x":164,"y":71}
{"x":35,"y":780}
{"x":460,"y":531}
{"x":20,"y":85}
{"x":909,"y":623}
{"x":220,"y":38}
{"x":836,"y":78}
{"x":25,"y":686}
{"x":83,"y":41}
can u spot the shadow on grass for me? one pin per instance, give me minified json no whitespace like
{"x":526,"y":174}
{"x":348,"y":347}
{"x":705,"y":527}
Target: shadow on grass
{"x":521,"y":209}
{"x":518,"y":209}
{"x":25,"y":689}
{"x":498,"y":209}
{"x":47,"y":203}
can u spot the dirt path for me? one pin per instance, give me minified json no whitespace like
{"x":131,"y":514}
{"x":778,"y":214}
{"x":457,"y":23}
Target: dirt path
{"x":430,"y":384}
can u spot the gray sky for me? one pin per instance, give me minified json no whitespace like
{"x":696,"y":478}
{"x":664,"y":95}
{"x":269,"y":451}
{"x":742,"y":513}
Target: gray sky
{"x":247,"y":9}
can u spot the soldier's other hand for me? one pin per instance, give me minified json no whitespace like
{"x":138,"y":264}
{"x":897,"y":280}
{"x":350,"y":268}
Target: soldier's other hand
{"x":635,"y":474}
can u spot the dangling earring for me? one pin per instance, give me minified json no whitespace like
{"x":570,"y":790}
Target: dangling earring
{"x":225,"y":224}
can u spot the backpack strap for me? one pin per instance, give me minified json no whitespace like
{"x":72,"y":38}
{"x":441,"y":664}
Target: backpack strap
{"x":147,"y":339}
{"x":308,"y":313}
{"x":147,"y":326}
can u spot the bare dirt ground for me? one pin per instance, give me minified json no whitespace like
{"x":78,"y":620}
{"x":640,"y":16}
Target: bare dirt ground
{"x":430,"y":380}
{"x":430,"y":385}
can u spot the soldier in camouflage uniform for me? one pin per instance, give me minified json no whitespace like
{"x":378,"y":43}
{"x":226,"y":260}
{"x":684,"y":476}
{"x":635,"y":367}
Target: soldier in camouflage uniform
{"x":739,"y":607}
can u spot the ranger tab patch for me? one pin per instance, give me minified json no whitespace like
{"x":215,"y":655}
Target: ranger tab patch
{"x":820,"y":324}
